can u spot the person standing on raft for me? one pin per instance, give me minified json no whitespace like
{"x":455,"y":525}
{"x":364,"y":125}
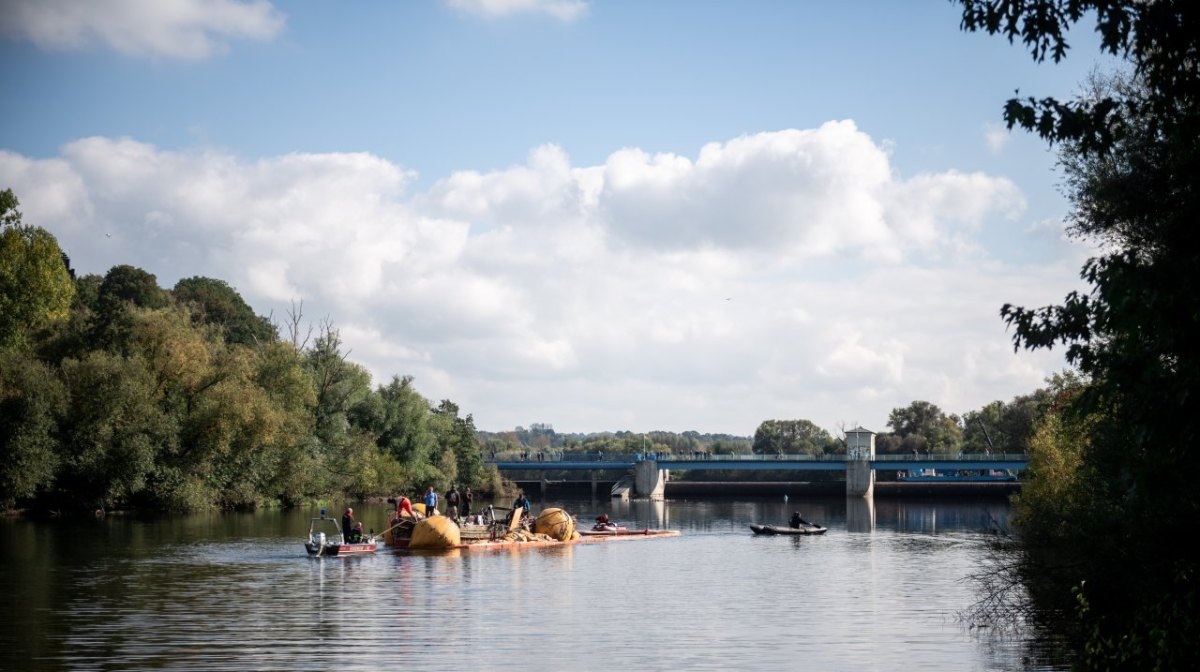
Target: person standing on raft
{"x":522,"y":502}
{"x":452,"y":502}
{"x":431,"y":500}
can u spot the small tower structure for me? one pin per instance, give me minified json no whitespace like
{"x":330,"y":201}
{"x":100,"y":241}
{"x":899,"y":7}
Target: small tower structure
{"x":860,"y":450}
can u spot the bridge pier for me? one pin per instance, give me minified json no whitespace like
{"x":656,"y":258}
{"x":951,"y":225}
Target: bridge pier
{"x":592,"y":474}
{"x":648,"y":480}
{"x":860,"y":477}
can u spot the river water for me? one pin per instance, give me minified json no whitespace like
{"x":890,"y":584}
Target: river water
{"x":882,"y":590}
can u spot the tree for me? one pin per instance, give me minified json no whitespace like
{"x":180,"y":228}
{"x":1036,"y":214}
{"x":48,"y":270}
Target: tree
{"x":215,"y":302}
{"x":114,"y":432}
{"x":1131,"y":154}
{"x":923,"y":426}
{"x":32,"y":402}
{"x":791,"y":437}
{"x":35,"y":285}
{"x":123,"y":289}
{"x":399,"y":419}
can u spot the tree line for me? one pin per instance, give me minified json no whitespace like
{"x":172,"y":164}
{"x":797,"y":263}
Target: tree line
{"x":118,"y":393}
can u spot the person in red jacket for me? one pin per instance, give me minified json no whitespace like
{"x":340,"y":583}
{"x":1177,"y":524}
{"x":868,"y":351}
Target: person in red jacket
{"x":404,"y":506}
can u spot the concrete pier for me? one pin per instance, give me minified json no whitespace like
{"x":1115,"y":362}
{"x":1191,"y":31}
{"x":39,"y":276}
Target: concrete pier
{"x":648,"y":480}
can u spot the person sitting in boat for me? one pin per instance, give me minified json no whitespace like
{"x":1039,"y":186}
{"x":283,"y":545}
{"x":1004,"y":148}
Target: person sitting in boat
{"x":356,"y":534}
{"x":347,"y":523}
{"x":797,"y":521}
{"x":603,"y":524}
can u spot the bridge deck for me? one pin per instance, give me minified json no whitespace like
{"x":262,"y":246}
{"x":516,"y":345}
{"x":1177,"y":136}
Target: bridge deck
{"x":1010,"y":461}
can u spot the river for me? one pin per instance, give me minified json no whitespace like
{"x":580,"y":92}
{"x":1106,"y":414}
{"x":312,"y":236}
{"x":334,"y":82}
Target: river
{"x":882,"y":590}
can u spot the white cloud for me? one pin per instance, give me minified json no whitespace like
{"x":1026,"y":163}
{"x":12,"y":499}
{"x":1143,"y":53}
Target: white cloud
{"x":184,"y":29}
{"x":996,"y":136}
{"x":564,"y":10}
{"x":650,"y":291}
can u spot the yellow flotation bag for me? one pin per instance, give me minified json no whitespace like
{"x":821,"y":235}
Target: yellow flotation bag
{"x":435,"y":532}
{"x":556,"y":524}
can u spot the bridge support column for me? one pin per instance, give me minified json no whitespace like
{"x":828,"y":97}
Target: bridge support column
{"x":648,"y":480}
{"x":592,"y":473}
{"x":860,"y":479}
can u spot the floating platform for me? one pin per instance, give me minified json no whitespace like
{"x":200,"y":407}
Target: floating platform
{"x":501,"y":545}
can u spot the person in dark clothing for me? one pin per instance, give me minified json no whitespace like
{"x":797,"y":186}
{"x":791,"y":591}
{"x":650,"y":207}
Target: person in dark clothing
{"x":798,"y":521}
{"x":452,"y":499}
{"x":347,"y":523}
{"x":467,"y":497}
{"x":522,"y":502}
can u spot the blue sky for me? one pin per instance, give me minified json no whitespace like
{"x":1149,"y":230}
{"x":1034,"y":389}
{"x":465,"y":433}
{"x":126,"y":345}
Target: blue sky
{"x":600,"y":215}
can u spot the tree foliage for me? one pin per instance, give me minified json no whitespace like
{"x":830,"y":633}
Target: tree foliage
{"x":923,"y":427}
{"x":214,"y":302}
{"x":32,"y":403}
{"x":792,"y":437}
{"x":1129,"y":148}
{"x":35,"y":283}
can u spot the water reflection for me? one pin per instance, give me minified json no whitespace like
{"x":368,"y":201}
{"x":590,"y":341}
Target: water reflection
{"x":860,"y":514}
{"x":237,"y":592}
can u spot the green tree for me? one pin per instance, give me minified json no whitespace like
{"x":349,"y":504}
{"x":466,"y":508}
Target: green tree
{"x":32,"y":402}
{"x":398,"y":416}
{"x":923,"y":426}
{"x":791,"y":437}
{"x":281,"y":371}
{"x":1131,"y":156}
{"x":341,"y":386}
{"x":124,"y":289}
{"x":114,"y":431}
{"x":35,"y":284}
{"x":215,"y":302}
{"x":459,"y":436}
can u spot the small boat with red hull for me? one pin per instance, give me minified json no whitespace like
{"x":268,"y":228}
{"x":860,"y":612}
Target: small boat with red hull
{"x":325,"y":540}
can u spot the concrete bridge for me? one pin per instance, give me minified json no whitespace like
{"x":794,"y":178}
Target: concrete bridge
{"x":651,"y":471}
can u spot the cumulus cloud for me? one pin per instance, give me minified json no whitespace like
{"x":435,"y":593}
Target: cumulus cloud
{"x":784,"y":274}
{"x":564,"y":10}
{"x":184,"y":29}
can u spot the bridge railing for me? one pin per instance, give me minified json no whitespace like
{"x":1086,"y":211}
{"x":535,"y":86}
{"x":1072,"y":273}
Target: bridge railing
{"x":560,"y":456}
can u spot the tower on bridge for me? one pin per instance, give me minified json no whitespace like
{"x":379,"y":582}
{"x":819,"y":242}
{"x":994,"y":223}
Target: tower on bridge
{"x":860,"y":448}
